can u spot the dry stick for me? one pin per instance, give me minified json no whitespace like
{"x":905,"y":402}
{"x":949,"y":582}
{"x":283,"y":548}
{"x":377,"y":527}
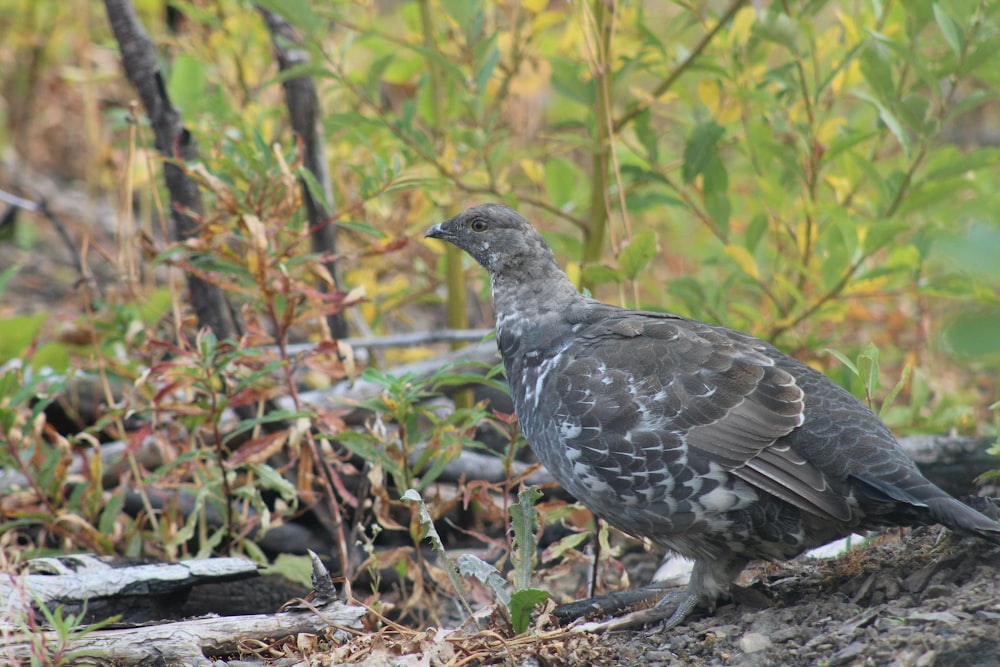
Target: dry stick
{"x":42,"y":206}
{"x":304,"y":113}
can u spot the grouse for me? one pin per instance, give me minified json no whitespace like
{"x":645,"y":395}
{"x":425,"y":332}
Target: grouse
{"x":705,"y":440}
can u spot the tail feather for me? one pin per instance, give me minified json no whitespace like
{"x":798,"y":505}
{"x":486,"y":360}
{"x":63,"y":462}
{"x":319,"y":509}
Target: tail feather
{"x":919,"y":502}
{"x":960,"y":517}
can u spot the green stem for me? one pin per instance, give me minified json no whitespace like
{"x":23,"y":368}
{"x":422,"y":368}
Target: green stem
{"x":593,"y":244}
{"x":665,"y":85}
{"x":458,"y":315}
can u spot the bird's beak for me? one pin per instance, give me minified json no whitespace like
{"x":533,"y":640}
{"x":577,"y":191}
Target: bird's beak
{"x":436,"y":232}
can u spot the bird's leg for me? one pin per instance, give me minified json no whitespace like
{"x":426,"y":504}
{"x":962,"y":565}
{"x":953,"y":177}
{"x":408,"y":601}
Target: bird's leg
{"x":709,"y":580}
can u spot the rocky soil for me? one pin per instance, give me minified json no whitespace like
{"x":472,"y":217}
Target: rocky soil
{"x":926,"y":599}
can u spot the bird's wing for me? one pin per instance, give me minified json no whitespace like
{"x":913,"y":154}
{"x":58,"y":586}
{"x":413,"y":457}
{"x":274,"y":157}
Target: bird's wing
{"x":639,"y":392}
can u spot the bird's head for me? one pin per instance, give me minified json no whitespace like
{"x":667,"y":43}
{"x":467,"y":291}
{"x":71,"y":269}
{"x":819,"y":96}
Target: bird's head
{"x":500,"y":239}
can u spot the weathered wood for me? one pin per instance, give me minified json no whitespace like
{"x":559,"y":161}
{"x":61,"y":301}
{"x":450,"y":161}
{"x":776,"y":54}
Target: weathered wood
{"x":107,"y":587}
{"x":189,"y":642}
{"x":195,"y":642}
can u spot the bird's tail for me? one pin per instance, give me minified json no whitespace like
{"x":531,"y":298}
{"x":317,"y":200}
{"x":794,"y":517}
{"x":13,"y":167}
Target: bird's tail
{"x":961,"y":518}
{"x":923,"y":502}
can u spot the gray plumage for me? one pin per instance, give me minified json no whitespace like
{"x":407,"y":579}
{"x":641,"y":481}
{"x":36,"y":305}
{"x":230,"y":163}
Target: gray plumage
{"x":706,"y":440}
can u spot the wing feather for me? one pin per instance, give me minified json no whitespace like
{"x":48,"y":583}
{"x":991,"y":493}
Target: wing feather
{"x":718,"y":391}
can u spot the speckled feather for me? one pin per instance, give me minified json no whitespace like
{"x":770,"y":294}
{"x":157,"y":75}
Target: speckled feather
{"x":706,"y":440}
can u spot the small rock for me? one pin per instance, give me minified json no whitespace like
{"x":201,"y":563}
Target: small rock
{"x":937,"y":591}
{"x":852,"y":650}
{"x":927,"y":659}
{"x":934,"y":617}
{"x":752,"y":642}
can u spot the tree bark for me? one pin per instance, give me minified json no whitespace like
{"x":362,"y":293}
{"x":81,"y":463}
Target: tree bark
{"x":304,"y":114}
{"x":178,"y":146}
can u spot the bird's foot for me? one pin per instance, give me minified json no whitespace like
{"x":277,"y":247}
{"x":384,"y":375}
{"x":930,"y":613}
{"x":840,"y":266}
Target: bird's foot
{"x":672,"y":609}
{"x":611,"y":604}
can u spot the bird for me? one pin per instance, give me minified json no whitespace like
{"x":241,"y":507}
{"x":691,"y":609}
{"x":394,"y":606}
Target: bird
{"x":707,"y":441}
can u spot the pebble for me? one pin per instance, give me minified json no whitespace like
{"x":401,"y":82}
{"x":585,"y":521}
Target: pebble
{"x":753,"y":642}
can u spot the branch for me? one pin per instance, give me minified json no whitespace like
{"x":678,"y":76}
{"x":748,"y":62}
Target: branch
{"x":665,"y":85}
{"x":173,"y":140}
{"x":304,"y":114}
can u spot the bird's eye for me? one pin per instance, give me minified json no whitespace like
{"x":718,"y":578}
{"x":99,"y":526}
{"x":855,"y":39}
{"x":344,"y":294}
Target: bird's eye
{"x":479,"y":225}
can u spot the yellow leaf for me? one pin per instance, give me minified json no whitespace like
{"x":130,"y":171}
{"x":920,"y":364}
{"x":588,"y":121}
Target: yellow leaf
{"x":739,"y":33}
{"x":535,"y":6}
{"x":729,"y":113}
{"x":533,"y":170}
{"x":572,"y":37}
{"x":744,"y":259}
{"x":841,"y":186}
{"x":846,"y":76}
{"x":709,"y":94}
{"x":850,"y":28}
{"x":830,"y":128}
{"x":546,"y":20}
{"x":573,"y":272}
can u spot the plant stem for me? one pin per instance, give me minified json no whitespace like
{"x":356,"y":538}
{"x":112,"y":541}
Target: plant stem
{"x":593,"y":243}
{"x":457,"y":313}
{"x":675,"y":74}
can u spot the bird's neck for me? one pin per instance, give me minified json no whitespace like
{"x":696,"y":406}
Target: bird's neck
{"x":533,"y":311}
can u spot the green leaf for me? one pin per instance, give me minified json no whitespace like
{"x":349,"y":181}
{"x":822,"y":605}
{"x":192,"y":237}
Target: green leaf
{"x":568,"y":81}
{"x":599,"y":274}
{"x":562,"y":181}
{"x":878,"y":73}
{"x":779,"y":28}
{"x":522,"y":604}
{"x":891,"y":122}
{"x":973,"y":334}
{"x":51,"y":355}
{"x":974,"y":250}
{"x":297,"y":12}
{"x":430,"y":532}
{"x":700,"y":148}
{"x":187,"y":82}
{"x":755,"y":232}
{"x":846,"y":142}
{"x":842,"y":358}
{"x":638,"y":253}
{"x":868,"y":369}
{"x":488,"y":65}
{"x":914,"y":110}
{"x":7,"y":274}
{"x":887,"y":403}
{"x":647,"y":136}
{"x":16,"y":334}
{"x":523,"y":519}
{"x":473,"y":566}
{"x":716,"y":191}
{"x":950,"y":30}
{"x":462,"y":11}
{"x":272,"y":480}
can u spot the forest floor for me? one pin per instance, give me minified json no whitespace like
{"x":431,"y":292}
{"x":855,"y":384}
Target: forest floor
{"x":926,"y":599}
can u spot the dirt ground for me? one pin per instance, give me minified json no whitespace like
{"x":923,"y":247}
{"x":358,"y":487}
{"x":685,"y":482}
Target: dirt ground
{"x":928,"y":599}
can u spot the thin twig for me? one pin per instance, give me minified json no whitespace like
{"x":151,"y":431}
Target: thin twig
{"x":695,"y":52}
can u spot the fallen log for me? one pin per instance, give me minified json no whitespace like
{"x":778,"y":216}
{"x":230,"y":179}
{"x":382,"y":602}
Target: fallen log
{"x":189,"y":642}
